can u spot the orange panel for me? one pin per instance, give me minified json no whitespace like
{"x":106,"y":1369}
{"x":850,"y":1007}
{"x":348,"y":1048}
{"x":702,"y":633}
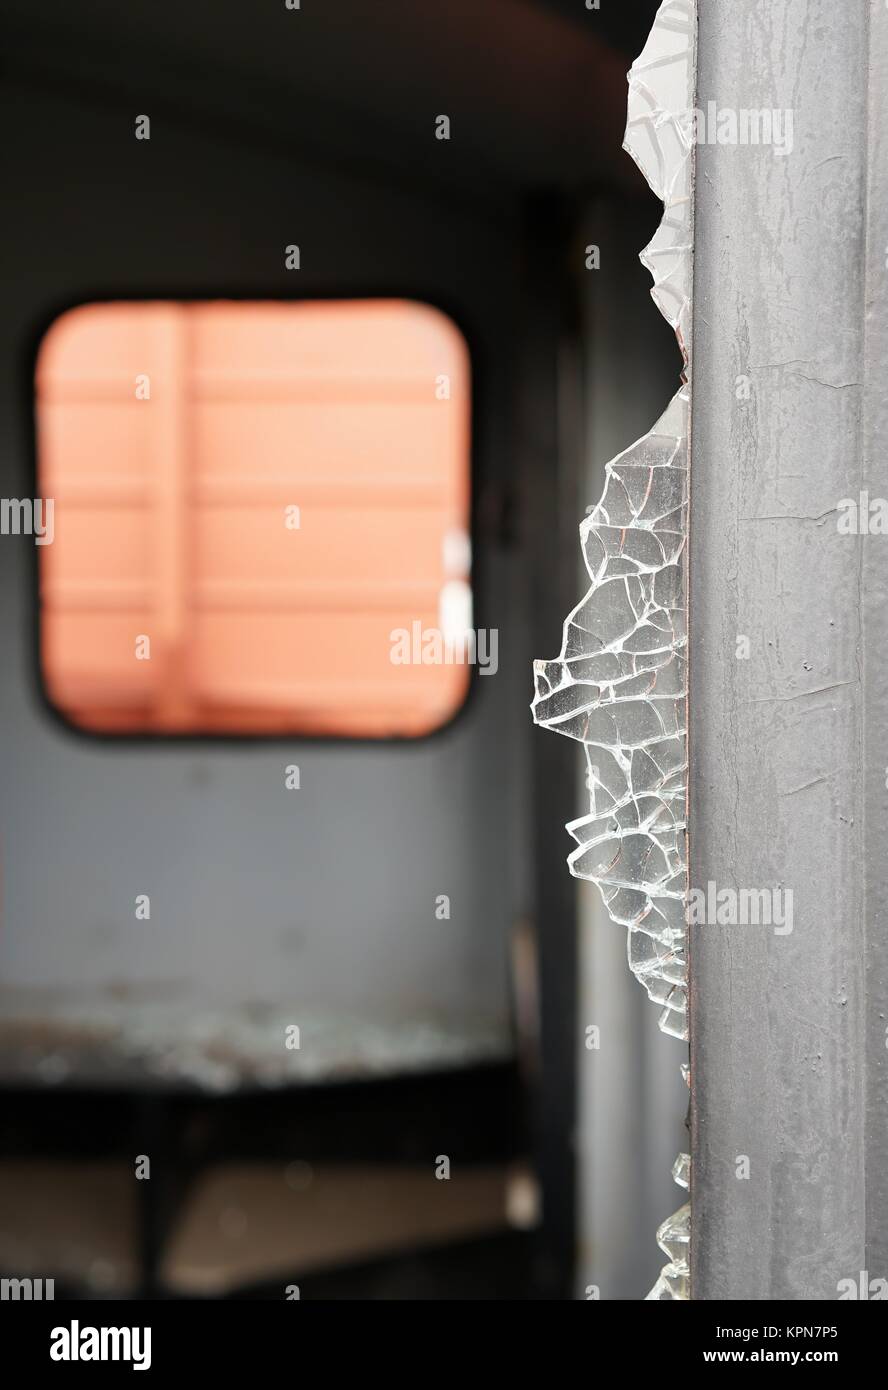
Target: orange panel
{"x":180,"y":442}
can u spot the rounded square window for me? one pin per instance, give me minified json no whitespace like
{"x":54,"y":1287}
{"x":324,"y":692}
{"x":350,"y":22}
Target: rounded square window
{"x":258,"y":517}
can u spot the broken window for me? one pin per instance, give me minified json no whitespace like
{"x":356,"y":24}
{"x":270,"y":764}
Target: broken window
{"x":619,"y":685}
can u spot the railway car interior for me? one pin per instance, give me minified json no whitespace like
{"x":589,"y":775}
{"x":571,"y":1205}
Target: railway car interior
{"x":307,"y":341}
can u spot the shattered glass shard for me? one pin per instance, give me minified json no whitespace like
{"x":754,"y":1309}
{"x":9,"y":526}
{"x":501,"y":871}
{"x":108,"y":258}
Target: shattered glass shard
{"x":674,"y":1238}
{"x":681,"y":1170}
{"x":619,"y":685}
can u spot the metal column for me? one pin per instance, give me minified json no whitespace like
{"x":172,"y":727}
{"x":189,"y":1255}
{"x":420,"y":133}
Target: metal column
{"x":789,"y":745}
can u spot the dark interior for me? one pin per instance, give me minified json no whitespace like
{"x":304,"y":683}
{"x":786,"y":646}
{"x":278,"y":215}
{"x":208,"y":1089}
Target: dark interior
{"x":316,"y":126}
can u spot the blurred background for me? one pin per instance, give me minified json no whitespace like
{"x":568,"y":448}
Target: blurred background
{"x":268,"y":826}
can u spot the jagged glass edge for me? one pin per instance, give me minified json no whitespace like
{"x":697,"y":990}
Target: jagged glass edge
{"x":623,"y":664}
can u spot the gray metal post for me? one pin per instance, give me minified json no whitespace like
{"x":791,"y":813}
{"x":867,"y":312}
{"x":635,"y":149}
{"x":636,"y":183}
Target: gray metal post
{"x":788,"y":413}
{"x":875,"y":613}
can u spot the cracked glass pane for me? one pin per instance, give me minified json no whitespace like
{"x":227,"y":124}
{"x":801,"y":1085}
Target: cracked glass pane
{"x":673,"y":1238}
{"x":619,"y":685}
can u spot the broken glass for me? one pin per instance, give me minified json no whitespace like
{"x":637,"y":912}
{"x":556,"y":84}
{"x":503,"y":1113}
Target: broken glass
{"x":619,"y":685}
{"x":674,"y":1238}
